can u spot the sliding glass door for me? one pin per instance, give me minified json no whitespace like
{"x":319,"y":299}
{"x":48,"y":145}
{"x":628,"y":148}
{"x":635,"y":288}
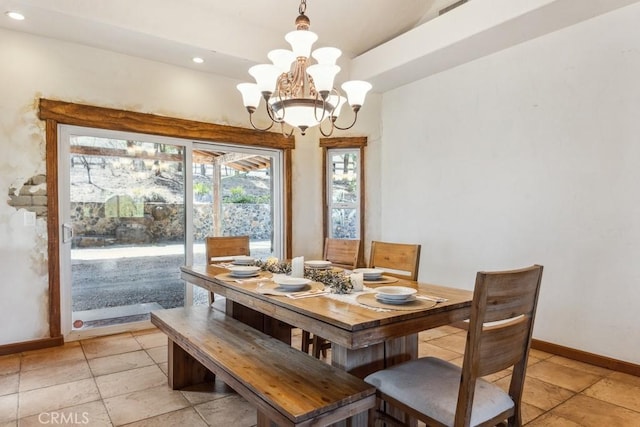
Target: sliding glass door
{"x":134,"y":208}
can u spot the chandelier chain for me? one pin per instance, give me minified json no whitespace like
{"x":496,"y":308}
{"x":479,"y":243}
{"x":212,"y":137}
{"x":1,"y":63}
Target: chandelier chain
{"x":303,"y":7}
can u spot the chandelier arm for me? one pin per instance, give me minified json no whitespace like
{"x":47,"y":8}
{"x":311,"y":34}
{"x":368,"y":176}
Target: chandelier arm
{"x":271,"y":112}
{"x":324,"y":110}
{"x":284,"y":133}
{"x":355,"y":118}
{"x":272,"y":115}
{"x":256,"y":127}
{"x":330,"y":129}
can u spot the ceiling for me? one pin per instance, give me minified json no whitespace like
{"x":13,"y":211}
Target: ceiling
{"x":387,"y":42}
{"x":229,"y":35}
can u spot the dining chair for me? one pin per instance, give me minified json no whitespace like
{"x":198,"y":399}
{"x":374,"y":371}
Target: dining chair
{"x":342,"y":253}
{"x":221,"y":247}
{"x":440,"y":393}
{"x":399,"y":260}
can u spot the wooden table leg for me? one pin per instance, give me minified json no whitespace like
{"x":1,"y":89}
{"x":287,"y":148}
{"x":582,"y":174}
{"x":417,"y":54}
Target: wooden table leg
{"x":359,"y":362}
{"x":400,"y":350}
{"x":364,"y":361}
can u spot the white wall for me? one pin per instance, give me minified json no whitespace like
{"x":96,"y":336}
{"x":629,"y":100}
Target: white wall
{"x":34,"y":67}
{"x":307,"y":181}
{"x":530,"y":156}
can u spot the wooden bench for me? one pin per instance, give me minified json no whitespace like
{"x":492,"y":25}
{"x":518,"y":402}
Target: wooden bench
{"x":287,"y":386}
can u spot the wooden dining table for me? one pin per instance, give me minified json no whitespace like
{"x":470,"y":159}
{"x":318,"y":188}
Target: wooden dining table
{"x":363,"y":339}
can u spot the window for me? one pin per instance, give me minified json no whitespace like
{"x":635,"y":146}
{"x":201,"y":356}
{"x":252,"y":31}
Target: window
{"x":343,"y":193}
{"x":343,"y":160}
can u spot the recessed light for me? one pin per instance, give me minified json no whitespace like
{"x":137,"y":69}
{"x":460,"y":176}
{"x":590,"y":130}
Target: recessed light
{"x":197,"y":60}
{"x":15,"y":15}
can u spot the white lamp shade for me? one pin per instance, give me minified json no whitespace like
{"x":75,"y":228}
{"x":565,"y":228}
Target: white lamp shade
{"x":282,"y":58}
{"x":327,"y":55}
{"x":337,"y":102}
{"x":301,"y":116}
{"x":323,"y":75}
{"x":356,"y":91}
{"x":301,"y":42}
{"x":250,"y":94}
{"x":266,"y":76}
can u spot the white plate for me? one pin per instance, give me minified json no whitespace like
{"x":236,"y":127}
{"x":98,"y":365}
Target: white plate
{"x":291,"y":283}
{"x":243,"y":260}
{"x":243,"y":275}
{"x":395,"y":292}
{"x":244,"y":271}
{"x":395,"y":300}
{"x":369,"y":273}
{"x":317,"y":264}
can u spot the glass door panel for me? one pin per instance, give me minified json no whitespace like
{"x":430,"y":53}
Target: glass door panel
{"x":126,"y":210}
{"x":233,"y":198}
{"x":235,"y":193}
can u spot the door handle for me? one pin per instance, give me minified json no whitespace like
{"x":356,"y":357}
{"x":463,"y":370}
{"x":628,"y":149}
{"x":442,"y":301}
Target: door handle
{"x":67,"y":233}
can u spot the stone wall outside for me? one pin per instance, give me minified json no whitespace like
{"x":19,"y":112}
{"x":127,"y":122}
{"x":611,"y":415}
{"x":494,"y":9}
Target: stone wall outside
{"x":163,"y":223}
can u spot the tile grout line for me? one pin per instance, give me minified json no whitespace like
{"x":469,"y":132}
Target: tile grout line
{"x":95,"y":383}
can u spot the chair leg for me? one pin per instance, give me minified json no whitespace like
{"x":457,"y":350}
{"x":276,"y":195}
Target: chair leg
{"x":306,"y":341}
{"x":316,"y":347}
{"x":319,"y":347}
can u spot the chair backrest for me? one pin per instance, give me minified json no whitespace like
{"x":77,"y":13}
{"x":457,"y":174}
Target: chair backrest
{"x":500,"y":327}
{"x":400,"y":260}
{"x":227,"y":246}
{"x":342,"y":252}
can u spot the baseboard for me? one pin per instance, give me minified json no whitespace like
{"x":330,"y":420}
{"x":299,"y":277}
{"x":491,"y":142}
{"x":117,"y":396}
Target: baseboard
{"x":586,"y":357}
{"x":31,"y":345}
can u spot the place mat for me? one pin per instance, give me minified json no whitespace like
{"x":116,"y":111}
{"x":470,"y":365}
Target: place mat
{"x":383,"y":279}
{"x":371,"y":301}
{"x":272,"y":288}
{"x":227,"y":277}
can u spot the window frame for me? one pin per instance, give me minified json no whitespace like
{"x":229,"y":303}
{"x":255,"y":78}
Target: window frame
{"x":327,"y":144}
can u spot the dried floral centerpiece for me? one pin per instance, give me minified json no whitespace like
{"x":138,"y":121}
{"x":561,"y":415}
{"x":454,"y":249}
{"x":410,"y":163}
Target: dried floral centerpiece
{"x":272,"y":265}
{"x":339,"y":282}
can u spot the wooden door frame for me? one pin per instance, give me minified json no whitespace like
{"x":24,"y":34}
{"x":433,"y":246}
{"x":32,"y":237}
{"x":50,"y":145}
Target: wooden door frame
{"x":55,"y":113}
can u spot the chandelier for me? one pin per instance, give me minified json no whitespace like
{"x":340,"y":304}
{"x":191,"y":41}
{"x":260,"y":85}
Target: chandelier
{"x":297,"y":92}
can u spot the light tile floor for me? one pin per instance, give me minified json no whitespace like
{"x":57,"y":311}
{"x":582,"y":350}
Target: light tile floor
{"x":121,"y":380}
